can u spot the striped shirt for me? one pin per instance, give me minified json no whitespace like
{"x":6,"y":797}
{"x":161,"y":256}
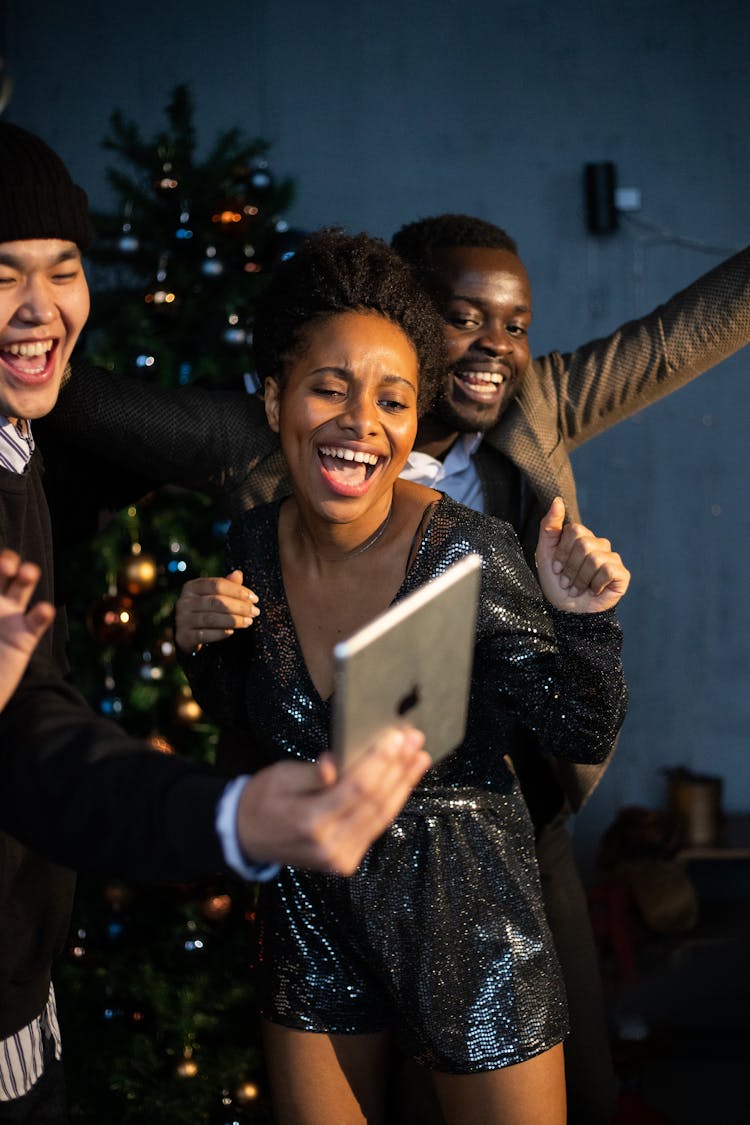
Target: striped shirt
{"x":22,"y":1054}
{"x":15,"y":447}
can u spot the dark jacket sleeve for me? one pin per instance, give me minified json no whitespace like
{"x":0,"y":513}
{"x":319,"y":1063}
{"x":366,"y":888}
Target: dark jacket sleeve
{"x":210,"y":440}
{"x":80,"y":791}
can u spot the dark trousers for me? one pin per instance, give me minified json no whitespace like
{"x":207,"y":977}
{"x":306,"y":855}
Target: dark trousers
{"x":45,"y":1103}
{"x":589,"y":1073}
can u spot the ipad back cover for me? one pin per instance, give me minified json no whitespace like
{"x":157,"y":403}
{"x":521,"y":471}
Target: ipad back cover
{"x":411,"y":664}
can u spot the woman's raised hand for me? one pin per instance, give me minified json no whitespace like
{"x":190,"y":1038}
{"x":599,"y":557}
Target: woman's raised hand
{"x":578,"y":571}
{"x":210,"y":609}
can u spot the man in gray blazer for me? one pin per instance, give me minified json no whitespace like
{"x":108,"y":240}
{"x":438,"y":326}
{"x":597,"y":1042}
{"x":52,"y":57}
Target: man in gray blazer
{"x":500,"y":440}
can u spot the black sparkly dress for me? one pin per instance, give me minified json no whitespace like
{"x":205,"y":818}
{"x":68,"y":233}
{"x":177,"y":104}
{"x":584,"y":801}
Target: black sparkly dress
{"x":440,"y":936}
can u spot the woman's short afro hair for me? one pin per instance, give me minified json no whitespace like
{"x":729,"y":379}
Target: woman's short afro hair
{"x":334,"y":272}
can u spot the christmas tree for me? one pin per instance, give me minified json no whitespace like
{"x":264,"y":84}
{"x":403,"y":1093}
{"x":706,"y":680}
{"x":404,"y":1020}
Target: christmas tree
{"x":156,"y":990}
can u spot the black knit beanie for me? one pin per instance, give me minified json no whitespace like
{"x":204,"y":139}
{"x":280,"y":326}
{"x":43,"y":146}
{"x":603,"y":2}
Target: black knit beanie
{"x":38,"y":199}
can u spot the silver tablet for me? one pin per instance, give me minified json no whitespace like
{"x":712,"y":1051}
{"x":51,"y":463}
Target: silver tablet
{"x":411,"y":664}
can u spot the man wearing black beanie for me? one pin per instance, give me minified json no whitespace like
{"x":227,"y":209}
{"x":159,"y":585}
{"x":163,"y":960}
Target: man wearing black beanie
{"x":73,"y":787}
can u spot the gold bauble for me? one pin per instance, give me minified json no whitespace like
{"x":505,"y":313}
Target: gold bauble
{"x":186,"y":709}
{"x":139,"y":574}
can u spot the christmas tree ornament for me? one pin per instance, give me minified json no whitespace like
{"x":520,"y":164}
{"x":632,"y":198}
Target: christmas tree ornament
{"x":139,"y":572}
{"x":250,"y":263}
{"x":110,"y":705}
{"x":246,"y":1093}
{"x":117,"y":895}
{"x":186,"y":709}
{"x":227,"y":1113}
{"x":177,"y":564}
{"x":78,"y":947}
{"x":164,"y":651}
{"x":216,"y":907}
{"x":113,"y":1012}
{"x":127,"y":242}
{"x":234,"y":334}
{"x":235,"y":216}
{"x":184,"y":233}
{"x":211,"y":266}
{"x":187,"y":1067}
{"x":148,"y":671}
{"x":228,"y":215}
{"x":160,"y":297}
{"x":159,"y":743}
{"x":111,"y":620}
{"x":115,"y":926}
{"x":193,"y":941}
{"x":285,"y":244}
{"x":260,"y":175}
{"x":166,"y":183}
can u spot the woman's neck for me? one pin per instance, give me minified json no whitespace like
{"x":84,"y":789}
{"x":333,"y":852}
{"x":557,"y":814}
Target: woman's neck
{"x":329,"y":543}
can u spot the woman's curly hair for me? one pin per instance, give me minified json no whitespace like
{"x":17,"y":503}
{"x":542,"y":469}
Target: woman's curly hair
{"x":334,"y":272}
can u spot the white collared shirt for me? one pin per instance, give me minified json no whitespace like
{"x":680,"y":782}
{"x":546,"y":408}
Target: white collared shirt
{"x":456,"y":475}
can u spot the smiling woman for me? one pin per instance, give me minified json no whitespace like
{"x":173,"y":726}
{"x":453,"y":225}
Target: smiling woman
{"x":439,"y":939}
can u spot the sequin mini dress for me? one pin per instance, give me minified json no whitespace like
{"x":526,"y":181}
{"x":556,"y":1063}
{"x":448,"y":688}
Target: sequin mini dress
{"x":440,"y":935}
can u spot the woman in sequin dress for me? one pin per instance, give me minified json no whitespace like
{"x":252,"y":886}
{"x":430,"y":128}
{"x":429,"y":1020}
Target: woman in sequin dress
{"x":439,"y":939}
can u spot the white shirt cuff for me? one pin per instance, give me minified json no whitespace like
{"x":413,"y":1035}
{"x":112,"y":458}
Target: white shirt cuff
{"x":226,"y":828}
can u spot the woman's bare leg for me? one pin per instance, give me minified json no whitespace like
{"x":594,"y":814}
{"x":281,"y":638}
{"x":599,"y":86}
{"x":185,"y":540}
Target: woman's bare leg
{"x":319,"y":1079}
{"x":529,"y":1093}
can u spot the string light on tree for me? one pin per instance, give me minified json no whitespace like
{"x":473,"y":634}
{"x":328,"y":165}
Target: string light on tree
{"x":127,"y":243}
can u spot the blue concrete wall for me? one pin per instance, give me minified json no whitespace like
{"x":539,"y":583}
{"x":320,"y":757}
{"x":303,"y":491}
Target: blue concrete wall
{"x":387,"y":111}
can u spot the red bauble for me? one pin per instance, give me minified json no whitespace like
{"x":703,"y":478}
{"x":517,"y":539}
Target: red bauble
{"x":216,"y":907}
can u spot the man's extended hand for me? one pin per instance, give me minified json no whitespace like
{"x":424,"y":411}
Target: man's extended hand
{"x":578,"y":571}
{"x":19,"y":631}
{"x":306,"y":815}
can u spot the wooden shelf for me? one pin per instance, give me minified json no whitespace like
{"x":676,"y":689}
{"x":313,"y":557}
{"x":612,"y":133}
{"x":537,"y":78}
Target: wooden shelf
{"x":734,"y":842}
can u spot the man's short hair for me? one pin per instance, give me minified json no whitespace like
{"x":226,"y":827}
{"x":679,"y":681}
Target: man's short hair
{"x":417,"y":241}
